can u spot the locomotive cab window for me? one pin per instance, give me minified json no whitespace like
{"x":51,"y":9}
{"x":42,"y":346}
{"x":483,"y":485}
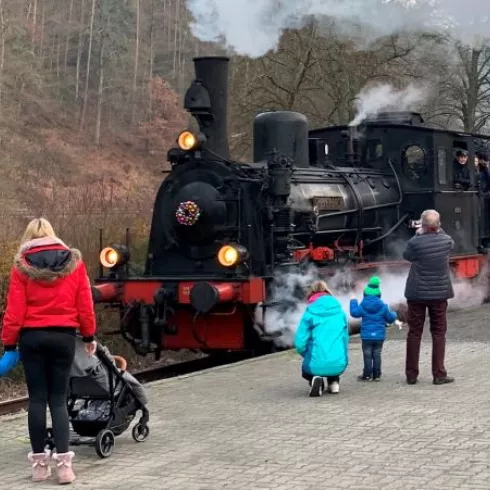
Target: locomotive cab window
{"x":442,"y":166}
{"x":414,"y":162}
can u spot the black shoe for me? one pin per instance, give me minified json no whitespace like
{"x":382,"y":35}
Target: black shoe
{"x":377,"y":378}
{"x":443,"y":381}
{"x":411,"y":381}
{"x":364,"y":378}
{"x":317,"y":386}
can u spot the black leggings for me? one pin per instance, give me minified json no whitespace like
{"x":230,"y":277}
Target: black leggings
{"x":47,"y":355}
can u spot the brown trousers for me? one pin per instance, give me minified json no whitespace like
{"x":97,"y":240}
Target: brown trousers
{"x":438,"y":329}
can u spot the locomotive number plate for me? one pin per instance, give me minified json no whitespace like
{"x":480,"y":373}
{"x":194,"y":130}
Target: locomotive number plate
{"x":327,"y":203}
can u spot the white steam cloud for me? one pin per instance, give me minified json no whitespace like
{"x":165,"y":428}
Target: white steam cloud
{"x":371,"y":101}
{"x":253,"y":27}
{"x":281,"y":321}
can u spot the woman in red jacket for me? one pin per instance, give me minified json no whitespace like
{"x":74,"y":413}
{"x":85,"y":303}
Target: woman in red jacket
{"x":49,"y":298}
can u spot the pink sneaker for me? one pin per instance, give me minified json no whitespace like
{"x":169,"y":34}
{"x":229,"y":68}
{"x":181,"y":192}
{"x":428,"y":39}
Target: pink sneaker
{"x":64,"y":469}
{"x":40,"y":466}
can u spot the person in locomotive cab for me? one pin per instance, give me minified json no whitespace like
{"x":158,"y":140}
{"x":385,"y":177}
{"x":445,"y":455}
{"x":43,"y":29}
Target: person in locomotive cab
{"x":461,"y":171}
{"x":322,"y":339}
{"x":375,"y":314}
{"x":48,"y":300}
{"x":429,"y":288}
{"x":482,"y":168}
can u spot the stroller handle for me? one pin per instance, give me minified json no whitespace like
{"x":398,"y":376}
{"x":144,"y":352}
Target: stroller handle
{"x":123,"y":364}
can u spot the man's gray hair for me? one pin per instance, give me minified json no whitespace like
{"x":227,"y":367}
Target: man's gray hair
{"x":430,"y":218}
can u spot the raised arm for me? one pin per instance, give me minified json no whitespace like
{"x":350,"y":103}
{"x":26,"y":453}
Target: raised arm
{"x":356,"y":310}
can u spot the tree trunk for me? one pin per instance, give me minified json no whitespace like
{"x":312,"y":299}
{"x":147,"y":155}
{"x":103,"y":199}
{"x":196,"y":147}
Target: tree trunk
{"x":100,"y":90}
{"x":2,"y":51}
{"x":58,"y":54}
{"x":87,"y":74}
{"x":79,"y":51}
{"x":136,"y":61}
{"x":150,"y":75}
{"x":176,"y":26}
{"x":104,"y":23}
{"x":41,"y":43}
{"x":34,"y":20}
{"x":68,"y":34}
{"x":469,"y":112}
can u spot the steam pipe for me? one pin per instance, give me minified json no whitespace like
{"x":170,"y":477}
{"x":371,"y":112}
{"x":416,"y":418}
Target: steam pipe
{"x":388,"y":233}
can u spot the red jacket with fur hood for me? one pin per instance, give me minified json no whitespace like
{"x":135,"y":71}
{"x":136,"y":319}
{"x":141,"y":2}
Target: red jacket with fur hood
{"x":49,"y":287}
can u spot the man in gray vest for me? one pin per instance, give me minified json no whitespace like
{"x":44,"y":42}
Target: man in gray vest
{"x":428,"y":288}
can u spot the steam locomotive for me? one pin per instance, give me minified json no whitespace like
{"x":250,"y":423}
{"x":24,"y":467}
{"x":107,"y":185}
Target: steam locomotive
{"x":336,"y":197}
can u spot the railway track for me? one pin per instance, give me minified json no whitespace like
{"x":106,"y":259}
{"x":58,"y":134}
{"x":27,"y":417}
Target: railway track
{"x":152,"y":374}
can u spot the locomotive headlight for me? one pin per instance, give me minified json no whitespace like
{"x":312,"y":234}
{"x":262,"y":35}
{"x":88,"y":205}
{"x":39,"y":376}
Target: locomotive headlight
{"x":188,"y":141}
{"x":231,"y":255}
{"x":116,"y":255}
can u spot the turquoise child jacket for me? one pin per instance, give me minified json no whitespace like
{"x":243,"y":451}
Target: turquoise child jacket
{"x":322,"y":337}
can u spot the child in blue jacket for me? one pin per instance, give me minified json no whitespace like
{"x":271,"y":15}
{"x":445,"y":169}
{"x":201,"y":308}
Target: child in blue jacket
{"x":322,"y":340}
{"x":375,"y":315}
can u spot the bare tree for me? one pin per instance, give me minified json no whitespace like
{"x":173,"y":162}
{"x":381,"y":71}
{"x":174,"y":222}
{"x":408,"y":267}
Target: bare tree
{"x":79,"y":50}
{"x":151,"y":59}
{"x":87,"y":74}
{"x":68,"y":34}
{"x":464,"y":88}
{"x":136,"y":61}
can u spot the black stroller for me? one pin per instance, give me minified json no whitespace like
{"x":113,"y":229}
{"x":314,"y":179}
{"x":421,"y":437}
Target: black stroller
{"x":103,"y":400}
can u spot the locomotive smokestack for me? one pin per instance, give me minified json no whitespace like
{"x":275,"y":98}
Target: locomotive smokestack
{"x":212,"y":72}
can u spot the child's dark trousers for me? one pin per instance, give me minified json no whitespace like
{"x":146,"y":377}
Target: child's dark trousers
{"x":371,"y":350}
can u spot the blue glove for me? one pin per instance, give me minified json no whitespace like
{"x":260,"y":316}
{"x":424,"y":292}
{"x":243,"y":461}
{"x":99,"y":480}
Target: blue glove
{"x":8,"y":361}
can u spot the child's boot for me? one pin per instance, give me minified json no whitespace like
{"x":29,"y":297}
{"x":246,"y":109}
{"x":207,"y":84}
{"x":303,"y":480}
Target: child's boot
{"x":64,"y":468}
{"x":40,"y":466}
{"x":317,"y":385}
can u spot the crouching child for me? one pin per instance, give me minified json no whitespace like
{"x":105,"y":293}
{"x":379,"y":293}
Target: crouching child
{"x":375,"y":315}
{"x":322,"y":339}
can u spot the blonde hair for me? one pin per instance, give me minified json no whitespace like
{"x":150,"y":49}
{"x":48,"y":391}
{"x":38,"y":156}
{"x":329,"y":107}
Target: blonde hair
{"x":318,"y":287}
{"x":38,"y":228}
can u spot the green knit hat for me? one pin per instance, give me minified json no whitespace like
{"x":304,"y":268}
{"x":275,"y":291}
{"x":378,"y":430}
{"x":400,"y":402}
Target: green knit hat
{"x":372,"y":289}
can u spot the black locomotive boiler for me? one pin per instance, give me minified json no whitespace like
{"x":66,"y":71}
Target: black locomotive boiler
{"x":337,"y":197}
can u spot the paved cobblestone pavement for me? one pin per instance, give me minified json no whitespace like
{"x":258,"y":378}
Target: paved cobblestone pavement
{"x":252,"y":426}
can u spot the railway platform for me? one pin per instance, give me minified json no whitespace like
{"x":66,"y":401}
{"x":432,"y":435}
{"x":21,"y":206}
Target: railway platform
{"x":252,"y":426}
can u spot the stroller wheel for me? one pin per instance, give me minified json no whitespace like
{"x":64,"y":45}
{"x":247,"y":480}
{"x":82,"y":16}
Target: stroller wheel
{"x":141,"y":432}
{"x":104,"y":443}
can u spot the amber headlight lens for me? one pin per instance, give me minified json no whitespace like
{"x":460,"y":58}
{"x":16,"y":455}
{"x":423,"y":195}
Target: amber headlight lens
{"x":187,"y":141}
{"x":112,"y":256}
{"x":230,"y":255}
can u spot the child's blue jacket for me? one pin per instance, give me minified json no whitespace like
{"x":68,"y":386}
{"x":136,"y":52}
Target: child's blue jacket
{"x":375,"y":315}
{"x":322,"y":337}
